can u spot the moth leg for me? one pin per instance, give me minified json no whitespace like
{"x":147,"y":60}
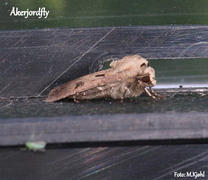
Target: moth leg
{"x":125,"y":91}
{"x":156,"y":94}
{"x":122,"y":98}
{"x":145,"y":89}
{"x":75,"y":100}
{"x":153,"y":92}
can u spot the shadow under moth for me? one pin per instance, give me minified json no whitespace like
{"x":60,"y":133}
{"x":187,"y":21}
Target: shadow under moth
{"x":127,"y":77}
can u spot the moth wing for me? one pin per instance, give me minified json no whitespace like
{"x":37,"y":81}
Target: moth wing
{"x":84,"y":83}
{"x":99,"y":92}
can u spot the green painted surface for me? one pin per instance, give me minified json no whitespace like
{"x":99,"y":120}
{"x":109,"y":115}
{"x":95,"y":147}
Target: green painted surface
{"x":181,"y":72}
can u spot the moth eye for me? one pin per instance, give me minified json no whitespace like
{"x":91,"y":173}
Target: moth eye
{"x":143,"y":64}
{"x":148,"y":65}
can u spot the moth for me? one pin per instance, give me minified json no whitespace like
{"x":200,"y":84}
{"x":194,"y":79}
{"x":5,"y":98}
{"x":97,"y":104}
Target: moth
{"x":127,"y":77}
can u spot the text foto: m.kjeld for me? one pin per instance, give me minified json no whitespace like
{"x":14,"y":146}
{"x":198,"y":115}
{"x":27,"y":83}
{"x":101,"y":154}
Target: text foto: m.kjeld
{"x":193,"y":174}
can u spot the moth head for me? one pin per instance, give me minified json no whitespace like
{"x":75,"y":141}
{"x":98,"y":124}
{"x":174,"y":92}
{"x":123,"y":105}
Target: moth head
{"x":139,"y":63}
{"x":151,"y":72}
{"x":134,"y":65}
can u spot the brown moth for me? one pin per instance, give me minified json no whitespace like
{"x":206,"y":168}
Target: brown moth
{"x":126,"y":78}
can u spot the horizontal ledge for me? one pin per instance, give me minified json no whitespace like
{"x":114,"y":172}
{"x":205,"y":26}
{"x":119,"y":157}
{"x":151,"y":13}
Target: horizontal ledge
{"x":148,"y":126}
